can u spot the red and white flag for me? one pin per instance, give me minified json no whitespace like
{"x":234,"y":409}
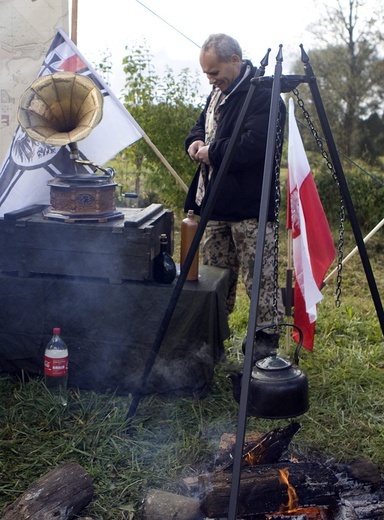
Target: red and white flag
{"x":29,"y":165}
{"x":312,"y":243}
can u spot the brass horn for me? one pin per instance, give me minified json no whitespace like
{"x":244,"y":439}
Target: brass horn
{"x":61,"y":108}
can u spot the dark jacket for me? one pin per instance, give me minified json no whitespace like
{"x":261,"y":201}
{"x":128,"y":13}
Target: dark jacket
{"x":239,"y":195}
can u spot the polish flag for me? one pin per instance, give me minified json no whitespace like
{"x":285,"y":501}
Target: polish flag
{"x":312,"y":243}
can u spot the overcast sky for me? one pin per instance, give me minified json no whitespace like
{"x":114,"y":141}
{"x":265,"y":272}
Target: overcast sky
{"x":175,"y":29}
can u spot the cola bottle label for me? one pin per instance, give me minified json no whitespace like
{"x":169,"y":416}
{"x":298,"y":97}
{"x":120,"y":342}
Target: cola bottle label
{"x":55,"y":367}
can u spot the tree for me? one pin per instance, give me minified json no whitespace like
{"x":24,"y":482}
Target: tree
{"x":372,"y":138}
{"x":349,"y":68}
{"x":166,"y":108}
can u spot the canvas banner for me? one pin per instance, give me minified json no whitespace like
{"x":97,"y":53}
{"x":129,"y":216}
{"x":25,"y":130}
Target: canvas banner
{"x":26,"y":31}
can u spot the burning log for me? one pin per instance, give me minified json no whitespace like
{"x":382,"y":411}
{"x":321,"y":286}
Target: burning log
{"x":267,"y":488}
{"x":264,"y":449}
{"x":60,"y":494}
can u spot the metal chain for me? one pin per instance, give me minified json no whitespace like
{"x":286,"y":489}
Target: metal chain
{"x":278,"y":146}
{"x":319,"y":142}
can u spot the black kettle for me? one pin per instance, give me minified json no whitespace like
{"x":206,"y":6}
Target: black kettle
{"x":278,"y":389}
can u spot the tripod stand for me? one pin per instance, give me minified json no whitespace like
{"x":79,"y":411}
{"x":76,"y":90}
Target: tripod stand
{"x":280,"y":84}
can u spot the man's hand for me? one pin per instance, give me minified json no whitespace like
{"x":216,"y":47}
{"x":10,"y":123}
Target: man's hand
{"x":194,"y":149}
{"x":202,"y":155}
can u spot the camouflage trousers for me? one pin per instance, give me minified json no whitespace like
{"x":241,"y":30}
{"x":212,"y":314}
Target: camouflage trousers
{"x":233,"y":245}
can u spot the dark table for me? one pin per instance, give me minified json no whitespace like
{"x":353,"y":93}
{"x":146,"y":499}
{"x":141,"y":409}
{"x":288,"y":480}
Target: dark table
{"x":110,"y":330}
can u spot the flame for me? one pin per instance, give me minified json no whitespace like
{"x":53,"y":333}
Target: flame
{"x":253,"y":456}
{"x":293,"y":501}
{"x":250,"y":459}
{"x":311,"y":513}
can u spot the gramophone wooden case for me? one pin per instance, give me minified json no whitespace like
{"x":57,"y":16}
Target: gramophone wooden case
{"x":115,"y":250}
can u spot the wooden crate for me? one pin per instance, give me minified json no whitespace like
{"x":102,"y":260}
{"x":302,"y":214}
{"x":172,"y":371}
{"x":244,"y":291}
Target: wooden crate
{"x":116,"y":250}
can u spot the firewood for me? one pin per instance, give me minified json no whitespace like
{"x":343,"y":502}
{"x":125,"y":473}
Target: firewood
{"x":162,"y":505}
{"x":264,"y":449}
{"x":61,"y":493}
{"x":262,"y":492}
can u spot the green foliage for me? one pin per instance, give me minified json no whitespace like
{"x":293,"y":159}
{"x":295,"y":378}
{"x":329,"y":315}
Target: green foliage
{"x":104,"y":67}
{"x":366,"y":191}
{"x":349,"y":67}
{"x":166,"y":108}
{"x":372,"y":139}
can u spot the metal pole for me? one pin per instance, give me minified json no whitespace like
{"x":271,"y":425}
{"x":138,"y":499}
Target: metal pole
{"x":263,"y":217}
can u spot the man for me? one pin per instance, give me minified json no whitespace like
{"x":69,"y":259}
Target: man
{"x":231,"y":233}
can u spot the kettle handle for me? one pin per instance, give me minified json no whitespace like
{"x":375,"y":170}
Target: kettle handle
{"x":301,"y":336}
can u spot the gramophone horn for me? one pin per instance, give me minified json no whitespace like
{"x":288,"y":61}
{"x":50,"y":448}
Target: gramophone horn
{"x":60,"y":108}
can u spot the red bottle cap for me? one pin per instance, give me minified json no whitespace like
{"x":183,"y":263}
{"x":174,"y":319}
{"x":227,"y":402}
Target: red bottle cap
{"x":56,"y":331}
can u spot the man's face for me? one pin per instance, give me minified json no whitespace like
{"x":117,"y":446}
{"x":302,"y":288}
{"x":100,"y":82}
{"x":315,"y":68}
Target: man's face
{"x":220,"y":73}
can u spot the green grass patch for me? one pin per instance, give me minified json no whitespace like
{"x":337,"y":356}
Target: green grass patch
{"x":169,"y":439}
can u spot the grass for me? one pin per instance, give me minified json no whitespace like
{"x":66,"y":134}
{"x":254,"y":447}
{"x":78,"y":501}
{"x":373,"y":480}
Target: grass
{"x":169,"y":439}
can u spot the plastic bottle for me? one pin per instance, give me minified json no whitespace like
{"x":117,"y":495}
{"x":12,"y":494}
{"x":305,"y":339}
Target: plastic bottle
{"x":164,"y":268}
{"x":187,"y":231}
{"x":56,"y":367}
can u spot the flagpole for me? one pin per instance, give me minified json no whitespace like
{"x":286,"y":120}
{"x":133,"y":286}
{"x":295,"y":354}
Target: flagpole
{"x":288,"y":285}
{"x":165,"y":162}
{"x":354,"y":250}
{"x":74,"y":22}
{"x":289,"y":271}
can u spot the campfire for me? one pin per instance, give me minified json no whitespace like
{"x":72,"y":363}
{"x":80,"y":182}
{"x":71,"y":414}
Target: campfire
{"x":273,"y":487}
{"x":270,"y":488}
{"x":278,"y":486}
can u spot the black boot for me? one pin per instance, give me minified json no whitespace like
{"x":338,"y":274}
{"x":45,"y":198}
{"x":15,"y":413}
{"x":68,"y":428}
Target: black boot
{"x":264,"y":345}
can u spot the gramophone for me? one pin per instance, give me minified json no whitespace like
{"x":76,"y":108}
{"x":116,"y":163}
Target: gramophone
{"x":61,"y":109}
